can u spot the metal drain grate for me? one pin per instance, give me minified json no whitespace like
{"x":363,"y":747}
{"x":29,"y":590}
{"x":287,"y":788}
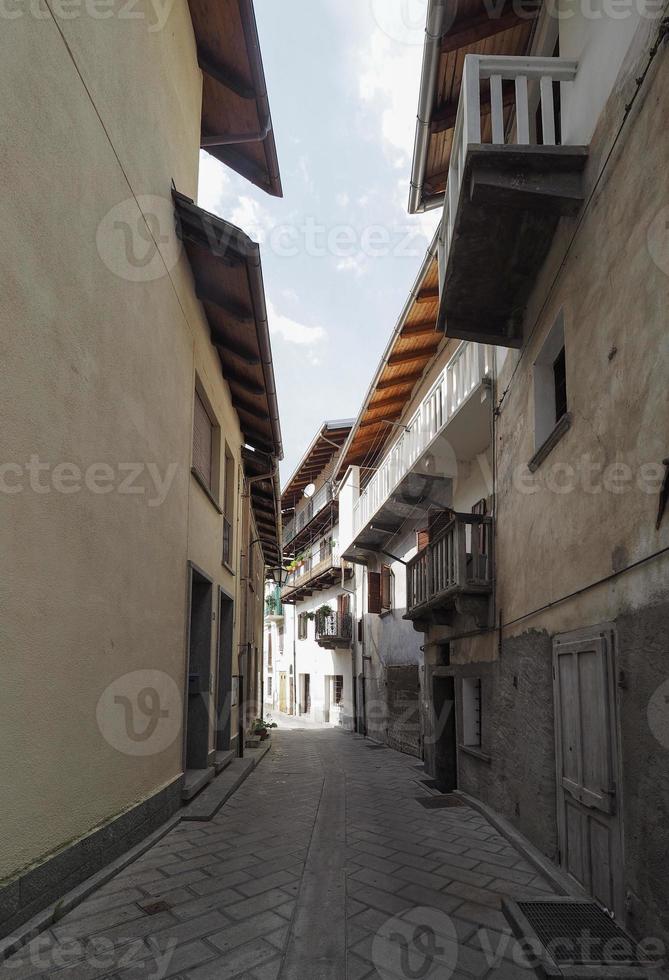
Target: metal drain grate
{"x":439,"y":802}
{"x":574,"y":933}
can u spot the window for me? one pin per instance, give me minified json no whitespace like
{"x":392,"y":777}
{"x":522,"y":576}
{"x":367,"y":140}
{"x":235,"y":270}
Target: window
{"x":560,"y":382}
{"x":228,"y":506}
{"x":269,"y":650}
{"x":550,"y":390}
{"x":269,"y":687}
{"x":374,"y":592}
{"x":337,"y":689}
{"x":471,"y":711}
{"x":302,"y":626}
{"x":386,"y":588}
{"x":205,"y":444}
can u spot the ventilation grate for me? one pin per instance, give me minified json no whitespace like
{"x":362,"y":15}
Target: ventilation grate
{"x":439,"y":802}
{"x":578,"y":933}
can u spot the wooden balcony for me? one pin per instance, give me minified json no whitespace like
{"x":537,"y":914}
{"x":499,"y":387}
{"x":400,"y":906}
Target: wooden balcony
{"x":453,"y":576}
{"x":504,"y":198}
{"x":321,"y":569}
{"x":335,"y":631}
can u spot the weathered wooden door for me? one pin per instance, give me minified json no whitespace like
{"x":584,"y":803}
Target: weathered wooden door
{"x":588,"y":791}
{"x":282,"y":691}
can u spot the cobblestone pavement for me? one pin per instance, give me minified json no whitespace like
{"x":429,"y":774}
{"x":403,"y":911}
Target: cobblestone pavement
{"x":315,"y":870}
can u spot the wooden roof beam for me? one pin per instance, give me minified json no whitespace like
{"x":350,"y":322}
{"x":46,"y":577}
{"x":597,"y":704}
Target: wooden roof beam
{"x":470,"y":30}
{"x":445,"y":115}
{"x":422,"y":329}
{"x":427,"y":295}
{"x":405,"y":357}
{"x":403,"y":379}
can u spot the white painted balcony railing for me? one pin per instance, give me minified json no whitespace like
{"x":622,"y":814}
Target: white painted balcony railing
{"x":533,"y":82}
{"x":463,"y":373}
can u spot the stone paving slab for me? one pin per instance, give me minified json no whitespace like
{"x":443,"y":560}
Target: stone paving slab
{"x":304,"y":873}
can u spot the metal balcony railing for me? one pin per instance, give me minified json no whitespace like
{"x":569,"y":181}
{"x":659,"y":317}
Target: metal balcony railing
{"x":463,"y":373}
{"x":533,"y":80}
{"x":308,"y":513}
{"x":459,"y":560}
{"x":333,"y":628}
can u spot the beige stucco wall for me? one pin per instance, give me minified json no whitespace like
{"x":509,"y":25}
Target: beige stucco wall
{"x":98,"y":369}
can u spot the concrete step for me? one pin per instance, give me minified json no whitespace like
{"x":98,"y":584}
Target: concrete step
{"x":223,"y":760}
{"x":195,"y":781}
{"x":210,"y":801}
{"x":252,"y":741}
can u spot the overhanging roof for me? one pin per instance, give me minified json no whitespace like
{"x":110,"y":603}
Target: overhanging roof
{"x":265,"y":502}
{"x":236,"y":119}
{"x":412,"y":348}
{"x":228,"y":282}
{"x":454,"y":29}
{"x":326,"y":443}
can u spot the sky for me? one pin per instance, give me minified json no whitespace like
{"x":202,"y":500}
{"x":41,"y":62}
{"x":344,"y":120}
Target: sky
{"x":340,"y":252}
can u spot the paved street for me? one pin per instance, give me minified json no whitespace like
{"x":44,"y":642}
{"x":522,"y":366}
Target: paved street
{"x":323,"y":865}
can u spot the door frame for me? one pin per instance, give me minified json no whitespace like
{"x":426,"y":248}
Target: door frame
{"x":192,"y":568}
{"x":607,"y":633}
{"x":225,"y":734}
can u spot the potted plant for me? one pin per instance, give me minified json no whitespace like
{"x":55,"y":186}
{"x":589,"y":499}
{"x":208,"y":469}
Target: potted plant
{"x":261,"y":728}
{"x":270,"y":605}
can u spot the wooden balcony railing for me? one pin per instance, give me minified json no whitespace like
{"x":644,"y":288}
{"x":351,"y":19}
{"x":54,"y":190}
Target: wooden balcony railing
{"x":308,"y":513}
{"x":458,"y":561}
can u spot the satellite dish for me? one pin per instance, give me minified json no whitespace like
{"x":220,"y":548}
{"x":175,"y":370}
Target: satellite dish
{"x":310,"y":490}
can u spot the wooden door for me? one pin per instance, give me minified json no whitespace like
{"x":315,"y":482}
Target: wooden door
{"x":282,"y":691}
{"x":588,"y":784}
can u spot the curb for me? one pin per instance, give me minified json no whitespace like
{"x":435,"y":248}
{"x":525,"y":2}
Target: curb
{"x":55,"y":912}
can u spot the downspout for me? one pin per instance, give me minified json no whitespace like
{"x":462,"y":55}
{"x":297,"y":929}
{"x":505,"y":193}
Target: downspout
{"x":433,"y":35}
{"x":258,"y":293}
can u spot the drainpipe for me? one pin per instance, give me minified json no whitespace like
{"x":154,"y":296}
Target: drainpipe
{"x":354,"y":679}
{"x":428,"y":82}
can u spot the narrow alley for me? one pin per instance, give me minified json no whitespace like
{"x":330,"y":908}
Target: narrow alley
{"x":307,"y":872}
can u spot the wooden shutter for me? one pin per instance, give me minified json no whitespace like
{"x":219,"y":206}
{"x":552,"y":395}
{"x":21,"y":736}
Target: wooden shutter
{"x":343,"y":604}
{"x":422,"y":538}
{"x":386,"y":583}
{"x":374,"y":592}
{"x":482,"y":508}
{"x":203,"y":441}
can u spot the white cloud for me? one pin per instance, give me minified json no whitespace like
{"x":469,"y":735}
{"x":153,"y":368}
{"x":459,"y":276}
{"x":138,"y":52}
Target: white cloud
{"x":292,"y":331}
{"x":351,"y":264}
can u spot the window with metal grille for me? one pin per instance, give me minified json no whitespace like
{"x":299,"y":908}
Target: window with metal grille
{"x":269,"y":687}
{"x":302,"y":626}
{"x":337,"y":689}
{"x":387,"y":578}
{"x":203,"y":443}
{"x":471,"y":711}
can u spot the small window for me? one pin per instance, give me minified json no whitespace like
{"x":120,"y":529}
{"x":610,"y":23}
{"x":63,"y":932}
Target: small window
{"x":205,"y":437}
{"x":471,"y":711}
{"x":302,"y":626}
{"x":560,"y":382}
{"x":386,"y":588}
{"x":337,"y":689}
{"x":230,"y":492}
{"x":550,"y":384}
{"x":269,"y":687}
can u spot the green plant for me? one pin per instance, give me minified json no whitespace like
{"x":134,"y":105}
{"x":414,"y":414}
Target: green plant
{"x":259,"y":725}
{"x":271,"y":605}
{"x":325,"y":611}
